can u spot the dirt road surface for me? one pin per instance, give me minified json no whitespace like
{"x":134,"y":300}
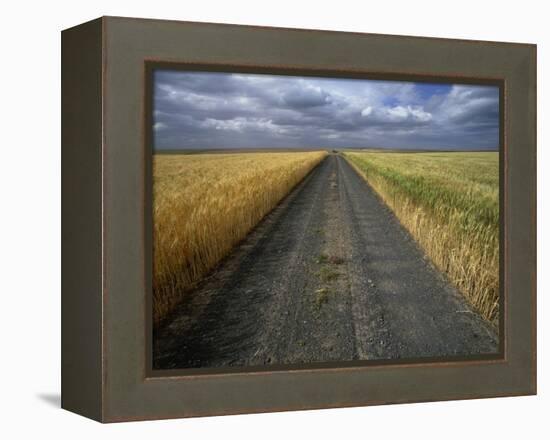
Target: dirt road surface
{"x":328,"y":275}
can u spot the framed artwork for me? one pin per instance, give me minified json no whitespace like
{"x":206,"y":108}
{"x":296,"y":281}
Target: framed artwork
{"x":264,"y":219}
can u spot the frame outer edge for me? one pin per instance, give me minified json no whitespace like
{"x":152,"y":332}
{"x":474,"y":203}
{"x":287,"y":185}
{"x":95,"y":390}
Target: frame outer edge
{"x":125,"y":394}
{"x":533,"y":238}
{"x":81,"y":216}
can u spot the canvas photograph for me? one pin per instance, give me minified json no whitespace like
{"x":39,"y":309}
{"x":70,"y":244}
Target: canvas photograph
{"x":313,"y":221}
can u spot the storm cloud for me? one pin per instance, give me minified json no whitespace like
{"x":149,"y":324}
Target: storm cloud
{"x":197,"y":110}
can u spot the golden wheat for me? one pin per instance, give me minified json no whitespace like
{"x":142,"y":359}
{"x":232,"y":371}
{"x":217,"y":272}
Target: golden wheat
{"x":449,"y":203}
{"x":203,"y":204}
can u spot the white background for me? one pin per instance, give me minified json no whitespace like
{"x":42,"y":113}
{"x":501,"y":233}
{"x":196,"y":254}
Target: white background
{"x":30,"y":218}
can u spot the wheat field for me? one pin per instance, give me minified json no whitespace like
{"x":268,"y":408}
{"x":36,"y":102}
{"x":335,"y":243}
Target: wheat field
{"x":449,"y":202}
{"x":204,"y":204}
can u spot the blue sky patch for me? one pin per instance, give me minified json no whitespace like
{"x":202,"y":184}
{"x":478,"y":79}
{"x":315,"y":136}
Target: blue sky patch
{"x":198,"y":110}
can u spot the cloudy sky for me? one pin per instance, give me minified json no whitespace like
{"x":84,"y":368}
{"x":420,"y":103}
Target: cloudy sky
{"x":225,"y":110}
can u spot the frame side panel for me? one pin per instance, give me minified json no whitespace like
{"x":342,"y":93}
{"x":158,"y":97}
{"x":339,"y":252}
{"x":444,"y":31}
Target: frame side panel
{"x":81,"y":213}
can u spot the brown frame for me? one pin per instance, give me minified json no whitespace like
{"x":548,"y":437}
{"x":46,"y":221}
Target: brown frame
{"x":151,"y":65}
{"x":106,"y":245}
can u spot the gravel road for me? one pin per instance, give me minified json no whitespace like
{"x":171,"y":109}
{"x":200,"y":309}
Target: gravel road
{"x":328,"y":275}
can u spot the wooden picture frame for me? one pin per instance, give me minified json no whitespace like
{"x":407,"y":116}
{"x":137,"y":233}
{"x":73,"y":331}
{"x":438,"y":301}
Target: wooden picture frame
{"x":106,"y":244}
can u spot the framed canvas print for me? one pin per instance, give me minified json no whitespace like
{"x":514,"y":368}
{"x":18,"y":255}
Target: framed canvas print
{"x":264,"y":219}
